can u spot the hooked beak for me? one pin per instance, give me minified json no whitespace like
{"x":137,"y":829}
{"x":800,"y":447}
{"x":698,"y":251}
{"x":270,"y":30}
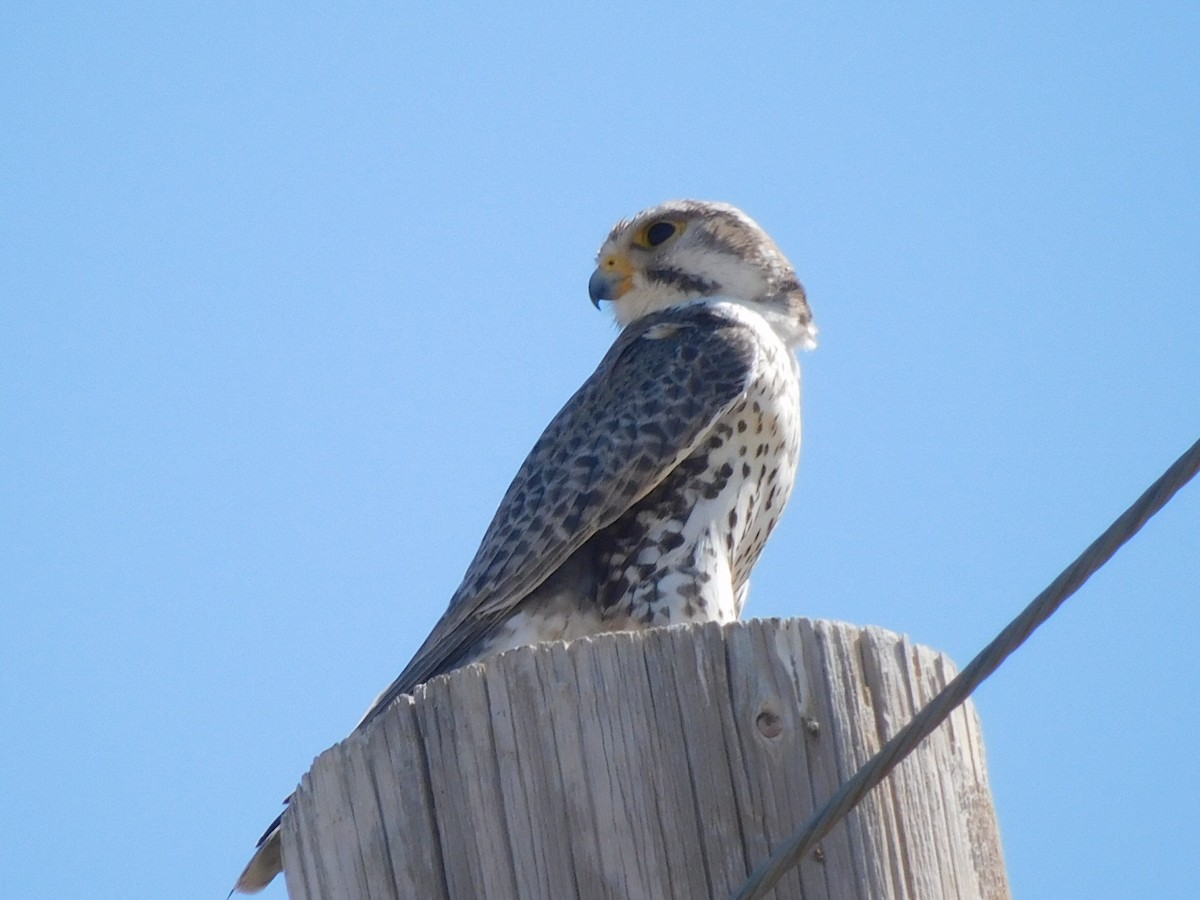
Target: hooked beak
{"x":612,"y":279}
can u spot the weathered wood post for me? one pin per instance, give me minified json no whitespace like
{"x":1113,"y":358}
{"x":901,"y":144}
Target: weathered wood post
{"x":661,"y":764}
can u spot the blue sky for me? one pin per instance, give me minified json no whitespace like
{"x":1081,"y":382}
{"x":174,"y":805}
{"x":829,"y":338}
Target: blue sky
{"x":288,"y":291}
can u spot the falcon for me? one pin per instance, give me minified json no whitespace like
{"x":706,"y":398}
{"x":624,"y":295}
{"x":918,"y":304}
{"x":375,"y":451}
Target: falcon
{"x":649,"y":497}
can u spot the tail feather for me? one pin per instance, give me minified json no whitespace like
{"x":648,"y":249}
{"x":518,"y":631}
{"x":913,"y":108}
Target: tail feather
{"x":265,"y":864}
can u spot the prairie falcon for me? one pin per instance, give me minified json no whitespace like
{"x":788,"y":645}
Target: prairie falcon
{"x":649,"y":497}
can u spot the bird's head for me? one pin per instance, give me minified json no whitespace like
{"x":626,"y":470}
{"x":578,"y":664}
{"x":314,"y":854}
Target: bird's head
{"x":686,"y":250}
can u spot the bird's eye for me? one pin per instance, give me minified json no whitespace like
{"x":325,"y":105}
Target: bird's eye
{"x":659,"y":232}
{"x":656,"y":233}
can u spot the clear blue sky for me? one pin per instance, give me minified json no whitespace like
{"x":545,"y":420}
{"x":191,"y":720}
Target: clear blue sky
{"x":289,"y":290}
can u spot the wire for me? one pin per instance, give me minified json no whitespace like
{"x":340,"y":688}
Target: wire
{"x":766,"y":875}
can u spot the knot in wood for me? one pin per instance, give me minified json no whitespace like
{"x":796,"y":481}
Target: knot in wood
{"x":769,"y":724}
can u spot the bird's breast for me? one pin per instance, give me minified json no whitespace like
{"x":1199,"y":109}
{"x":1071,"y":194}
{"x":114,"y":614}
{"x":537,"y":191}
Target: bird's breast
{"x":684,"y":553}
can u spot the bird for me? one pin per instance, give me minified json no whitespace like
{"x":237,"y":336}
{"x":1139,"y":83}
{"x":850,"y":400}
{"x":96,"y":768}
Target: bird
{"x":649,"y":497}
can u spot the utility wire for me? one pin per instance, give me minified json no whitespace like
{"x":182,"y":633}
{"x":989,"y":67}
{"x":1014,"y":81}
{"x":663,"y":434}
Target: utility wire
{"x":763,"y":878}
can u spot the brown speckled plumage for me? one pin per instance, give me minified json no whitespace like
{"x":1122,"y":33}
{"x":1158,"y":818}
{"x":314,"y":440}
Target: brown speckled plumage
{"x":649,"y":497}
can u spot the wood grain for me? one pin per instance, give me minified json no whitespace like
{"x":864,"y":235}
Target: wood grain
{"x":656,"y":764}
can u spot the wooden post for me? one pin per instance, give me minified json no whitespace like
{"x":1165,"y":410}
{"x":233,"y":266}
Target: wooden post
{"x":656,"y":764}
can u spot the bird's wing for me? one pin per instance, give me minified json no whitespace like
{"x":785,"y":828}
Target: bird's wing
{"x":654,"y":397}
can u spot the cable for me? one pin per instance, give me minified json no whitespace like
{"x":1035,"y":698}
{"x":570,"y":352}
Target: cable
{"x":766,"y":875}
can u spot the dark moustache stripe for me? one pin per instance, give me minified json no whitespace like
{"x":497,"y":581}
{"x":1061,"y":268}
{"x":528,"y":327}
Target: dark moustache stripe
{"x":690,"y":284}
